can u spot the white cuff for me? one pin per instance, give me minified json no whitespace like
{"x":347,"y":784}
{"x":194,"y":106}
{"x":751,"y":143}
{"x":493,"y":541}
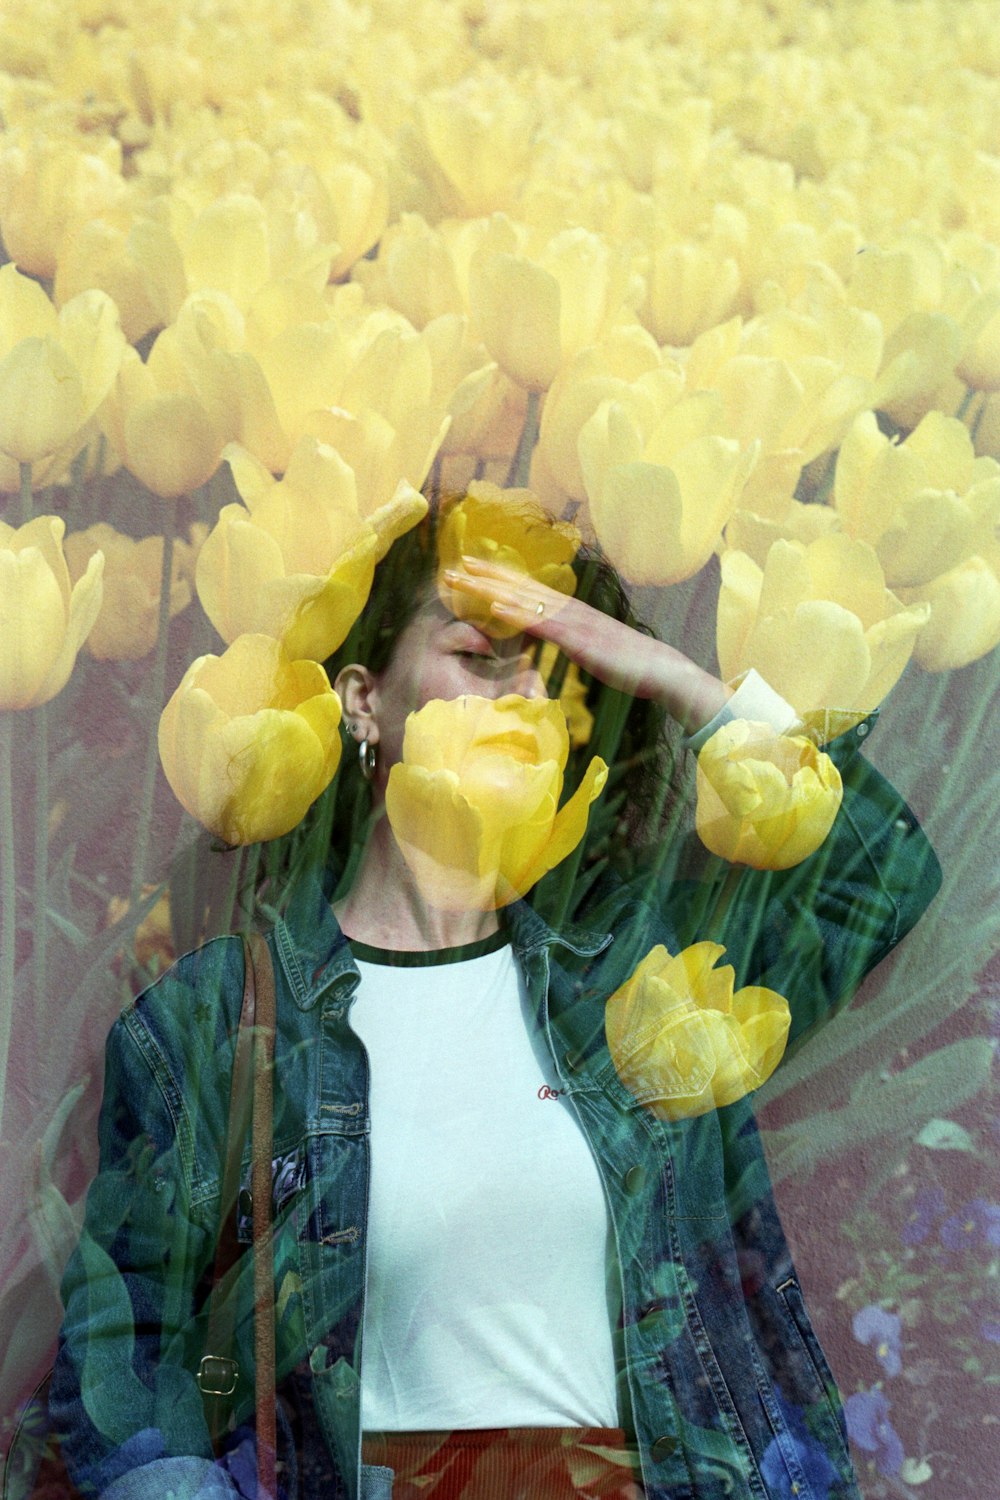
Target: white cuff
{"x":753,"y":699}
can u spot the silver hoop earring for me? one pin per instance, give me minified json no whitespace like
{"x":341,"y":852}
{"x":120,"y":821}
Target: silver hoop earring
{"x":366,"y":760}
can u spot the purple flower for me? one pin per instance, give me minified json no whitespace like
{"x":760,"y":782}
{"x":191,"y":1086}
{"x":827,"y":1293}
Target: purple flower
{"x":810,"y":1454}
{"x":977,"y":1223}
{"x":928,"y":1205}
{"x":873,"y":1325}
{"x":869,"y":1427}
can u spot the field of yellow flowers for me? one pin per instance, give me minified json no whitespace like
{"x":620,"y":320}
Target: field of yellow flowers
{"x":721,"y":285}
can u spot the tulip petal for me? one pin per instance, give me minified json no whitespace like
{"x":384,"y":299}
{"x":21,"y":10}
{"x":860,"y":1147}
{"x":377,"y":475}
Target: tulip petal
{"x":84,"y":607}
{"x":272,"y":765}
{"x":964,"y":621}
{"x":41,"y":400}
{"x":32,"y":625}
{"x":236,"y":565}
{"x":90,"y":332}
{"x":739,"y":599}
{"x":170,"y":444}
{"x":567,"y":830}
{"x":442,"y":838}
{"x":25,"y":310}
{"x":325,"y":609}
{"x":785,"y":653}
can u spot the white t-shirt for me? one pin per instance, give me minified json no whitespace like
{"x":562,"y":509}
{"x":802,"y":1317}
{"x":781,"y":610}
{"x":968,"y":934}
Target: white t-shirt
{"x":487,"y":1289}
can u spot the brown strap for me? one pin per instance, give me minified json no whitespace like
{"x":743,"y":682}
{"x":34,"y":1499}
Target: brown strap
{"x":250,"y":1104}
{"x":263,"y":1246}
{"x":218,"y":1373}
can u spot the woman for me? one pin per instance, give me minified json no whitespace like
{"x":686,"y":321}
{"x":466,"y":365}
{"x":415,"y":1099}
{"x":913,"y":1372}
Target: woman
{"x":557,"y":1290}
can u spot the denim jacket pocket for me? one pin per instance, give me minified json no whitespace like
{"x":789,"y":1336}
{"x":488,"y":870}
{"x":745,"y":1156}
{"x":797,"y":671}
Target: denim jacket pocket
{"x":791,"y":1300}
{"x":376,"y":1482}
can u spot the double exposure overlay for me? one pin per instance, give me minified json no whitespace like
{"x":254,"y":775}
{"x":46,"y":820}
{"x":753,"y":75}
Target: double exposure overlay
{"x":499,"y":499}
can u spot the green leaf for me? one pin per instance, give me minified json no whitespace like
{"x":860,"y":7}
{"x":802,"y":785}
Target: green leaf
{"x":889,"y":1111}
{"x":945,"y":1135}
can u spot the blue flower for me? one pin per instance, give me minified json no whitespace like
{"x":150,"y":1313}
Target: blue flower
{"x":873,"y":1325}
{"x":928,"y":1205}
{"x":869,"y":1427}
{"x":977,"y":1223}
{"x":817,"y":1470}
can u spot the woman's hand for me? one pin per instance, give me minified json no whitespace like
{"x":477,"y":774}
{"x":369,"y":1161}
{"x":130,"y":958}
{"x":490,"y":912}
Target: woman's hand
{"x":608,"y":649}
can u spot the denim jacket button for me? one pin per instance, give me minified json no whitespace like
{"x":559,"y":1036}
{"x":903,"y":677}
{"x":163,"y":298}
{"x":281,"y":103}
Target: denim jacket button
{"x":662,"y":1448}
{"x":634,"y":1179}
{"x":573,"y":1061}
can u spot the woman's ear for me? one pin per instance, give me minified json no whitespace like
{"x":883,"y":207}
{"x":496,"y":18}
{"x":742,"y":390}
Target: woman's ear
{"x":356,"y":688}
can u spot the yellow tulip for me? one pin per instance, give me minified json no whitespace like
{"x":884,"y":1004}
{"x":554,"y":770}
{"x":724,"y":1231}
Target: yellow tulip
{"x":44,"y":619}
{"x":533,"y":312}
{"x":617,"y":368}
{"x":414,"y":272}
{"x":55,"y":371}
{"x":690,"y":287}
{"x":507,"y":527}
{"x":473,"y":803}
{"x":792,"y":382}
{"x":817,"y":622}
{"x":152,"y":945}
{"x":572,"y":695}
{"x":964,"y":605}
{"x":236,"y":245}
{"x":663,"y":479}
{"x":764,"y":799}
{"x":922,"y":504}
{"x":134,"y":259}
{"x":297,"y":562}
{"x":49,"y":185}
{"x":930,"y":313}
{"x":161,"y":425}
{"x":126,"y":628}
{"x":470,"y":145}
{"x":683,"y":1043}
{"x":249,"y":739}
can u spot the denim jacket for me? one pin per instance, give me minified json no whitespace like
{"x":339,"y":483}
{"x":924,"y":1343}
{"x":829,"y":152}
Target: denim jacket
{"x":720,"y":1376}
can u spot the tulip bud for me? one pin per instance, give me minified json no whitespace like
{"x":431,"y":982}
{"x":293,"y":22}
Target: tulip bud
{"x":297,"y":563}
{"x":249,"y":740}
{"x":683,"y":1043}
{"x":473,"y":803}
{"x":126,"y":628}
{"x":817,"y":622}
{"x":55,"y":368}
{"x":764,"y":799}
{"x":44,"y":620}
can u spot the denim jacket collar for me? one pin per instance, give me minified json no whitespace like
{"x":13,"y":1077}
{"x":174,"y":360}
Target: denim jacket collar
{"x":314,"y":952}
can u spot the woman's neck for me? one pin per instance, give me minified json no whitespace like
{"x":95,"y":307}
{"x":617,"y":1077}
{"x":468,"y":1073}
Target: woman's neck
{"x":384,"y":907}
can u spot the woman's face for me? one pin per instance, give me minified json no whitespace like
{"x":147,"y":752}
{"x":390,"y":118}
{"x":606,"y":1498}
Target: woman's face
{"x":437,"y":656}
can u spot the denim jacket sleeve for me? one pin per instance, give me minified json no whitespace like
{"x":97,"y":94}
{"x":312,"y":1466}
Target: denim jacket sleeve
{"x":829,"y":921}
{"x":814,"y":931}
{"x":124,"y":1400}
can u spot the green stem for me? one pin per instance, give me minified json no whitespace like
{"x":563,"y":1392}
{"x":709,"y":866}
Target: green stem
{"x":963,"y":405}
{"x":158,"y":683}
{"x":974,"y":424}
{"x":27,"y":508}
{"x":517,"y":476}
{"x":41,"y":893}
{"x":8,"y":915}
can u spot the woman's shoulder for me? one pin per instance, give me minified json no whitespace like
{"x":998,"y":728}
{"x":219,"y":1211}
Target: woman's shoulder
{"x":194,"y":1006}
